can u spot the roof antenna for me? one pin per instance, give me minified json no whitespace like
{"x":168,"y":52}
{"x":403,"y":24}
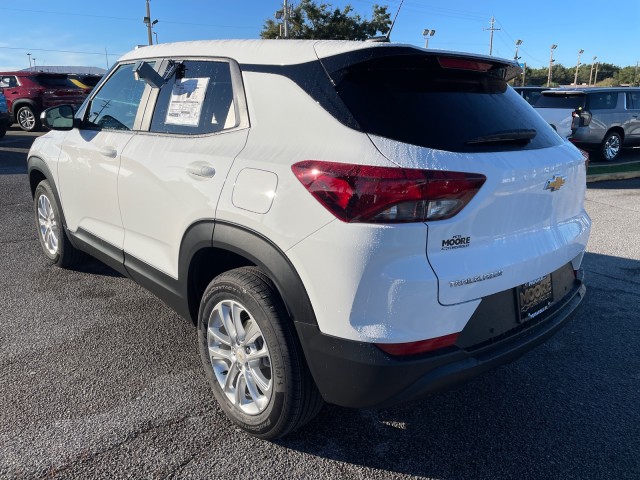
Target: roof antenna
{"x":385,"y":38}
{"x":394,"y":21}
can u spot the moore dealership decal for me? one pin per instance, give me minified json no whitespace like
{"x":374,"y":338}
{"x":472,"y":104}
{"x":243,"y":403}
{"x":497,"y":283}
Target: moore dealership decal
{"x":457,"y":241}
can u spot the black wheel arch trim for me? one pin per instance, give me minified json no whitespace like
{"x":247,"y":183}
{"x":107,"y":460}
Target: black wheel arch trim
{"x":180,"y":294}
{"x":36,"y":164}
{"x":21,"y":102}
{"x":275,"y":263}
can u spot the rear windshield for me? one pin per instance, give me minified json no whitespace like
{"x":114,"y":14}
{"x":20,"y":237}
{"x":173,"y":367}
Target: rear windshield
{"x":58,"y":81}
{"x":564,"y":101}
{"x":414,"y":100}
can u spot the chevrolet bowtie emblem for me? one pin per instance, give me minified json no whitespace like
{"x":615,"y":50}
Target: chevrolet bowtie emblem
{"x":555,"y":183}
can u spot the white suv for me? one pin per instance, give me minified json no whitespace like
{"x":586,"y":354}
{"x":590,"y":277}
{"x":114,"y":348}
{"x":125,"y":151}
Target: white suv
{"x":351,"y":222}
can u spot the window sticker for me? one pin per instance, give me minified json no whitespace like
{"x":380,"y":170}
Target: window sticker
{"x":186,"y":102}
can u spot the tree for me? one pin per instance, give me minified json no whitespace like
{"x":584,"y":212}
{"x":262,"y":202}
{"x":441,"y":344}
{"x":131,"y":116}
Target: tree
{"x":320,"y":21}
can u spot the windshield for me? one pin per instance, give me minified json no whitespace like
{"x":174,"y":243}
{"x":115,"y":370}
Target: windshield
{"x":413,"y":99}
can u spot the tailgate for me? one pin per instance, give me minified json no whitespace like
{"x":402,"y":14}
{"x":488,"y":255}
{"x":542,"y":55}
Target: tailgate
{"x":526,"y":221}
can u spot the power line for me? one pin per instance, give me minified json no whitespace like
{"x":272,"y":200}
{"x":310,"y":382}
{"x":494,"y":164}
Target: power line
{"x":107,"y":17}
{"x":61,"y":51}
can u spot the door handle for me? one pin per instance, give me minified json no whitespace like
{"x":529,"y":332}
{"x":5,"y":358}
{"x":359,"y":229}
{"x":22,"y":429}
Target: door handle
{"x":201,"y":170}
{"x":108,"y":152}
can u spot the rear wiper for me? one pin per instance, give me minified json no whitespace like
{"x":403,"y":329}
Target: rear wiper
{"x":522,"y":136}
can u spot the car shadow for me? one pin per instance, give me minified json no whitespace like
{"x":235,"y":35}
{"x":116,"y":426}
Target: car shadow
{"x":567,"y":409}
{"x":626,"y":184}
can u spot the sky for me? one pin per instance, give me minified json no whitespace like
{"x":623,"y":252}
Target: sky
{"x":88,"y":33}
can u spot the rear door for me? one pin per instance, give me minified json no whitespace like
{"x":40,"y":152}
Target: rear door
{"x":632,"y":114}
{"x":171,"y":175}
{"x":455,"y":114}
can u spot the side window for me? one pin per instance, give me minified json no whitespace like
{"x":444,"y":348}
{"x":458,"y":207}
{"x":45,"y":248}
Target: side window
{"x":633,"y":100}
{"x":115,"y":106}
{"x":603,"y":100}
{"x":8,"y":82}
{"x":198,"y":99}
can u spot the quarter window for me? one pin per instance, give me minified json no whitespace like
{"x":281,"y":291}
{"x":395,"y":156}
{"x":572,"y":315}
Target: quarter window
{"x":8,"y":82}
{"x":115,"y":106}
{"x":602,"y":100}
{"x":198,"y":99}
{"x":633,"y":100}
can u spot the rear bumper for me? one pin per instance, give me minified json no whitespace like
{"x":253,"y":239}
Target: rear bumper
{"x":359,"y":375}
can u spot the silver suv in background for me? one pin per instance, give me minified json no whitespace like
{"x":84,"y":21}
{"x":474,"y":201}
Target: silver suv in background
{"x":607,"y":120}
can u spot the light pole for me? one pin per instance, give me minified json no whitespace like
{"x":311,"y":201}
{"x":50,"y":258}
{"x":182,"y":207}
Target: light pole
{"x":591,"y":72}
{"x":155,"y":34}
{"x":553,"y":47}
{"x":575,"y":79}
{"x":29,"y":55}
{"x":595,"y":77}
{"x":426,"y":33}
{"x":34,"y":63}
{"x":516,"y":58}
{"x":147,"y":21}
{"x":518,"y":43}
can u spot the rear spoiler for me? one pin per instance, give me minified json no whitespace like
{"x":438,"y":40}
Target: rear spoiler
{"x":508,"y":69}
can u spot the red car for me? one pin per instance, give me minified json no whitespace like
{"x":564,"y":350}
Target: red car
{"x":29,"y":93}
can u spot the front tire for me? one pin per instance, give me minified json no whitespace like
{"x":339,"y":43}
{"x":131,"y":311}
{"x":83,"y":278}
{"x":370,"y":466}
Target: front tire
{"x":611,"y":146}
{"x":28,"y":119}
{"x":53,"y":239}
{"x":252,"y":356}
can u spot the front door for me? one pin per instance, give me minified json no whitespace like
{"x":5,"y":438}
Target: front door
{"x":90,"y":158}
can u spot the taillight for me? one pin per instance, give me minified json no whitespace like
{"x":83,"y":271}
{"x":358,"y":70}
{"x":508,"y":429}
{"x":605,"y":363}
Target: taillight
{"x":585,"y":155}
{"x":416,"y":348}
{"x":581,"y":118}
{"x":464,"y":64}
{"x":368,"y":194}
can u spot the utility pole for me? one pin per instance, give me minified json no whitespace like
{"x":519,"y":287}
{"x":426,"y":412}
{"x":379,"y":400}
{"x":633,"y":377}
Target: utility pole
{"x":595,"y":78}
{"x":285,"y":18}
{"x":553,"y":47}
{"x":524,"y":74}
{"x":635,"y":77}
{"x":106,"y":57}
{"x":285,"y":14}
{"x":491,"y":29}
{"x":147,"y":21}
{"x":575,"y":79}
{"x":591,"y":72}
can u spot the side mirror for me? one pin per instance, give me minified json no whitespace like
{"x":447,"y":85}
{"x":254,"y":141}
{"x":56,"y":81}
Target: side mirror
{"x":59,"y":118}
{"x":143,"y":71}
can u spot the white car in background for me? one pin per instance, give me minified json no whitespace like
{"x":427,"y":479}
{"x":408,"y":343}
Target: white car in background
{"x":350,"y":222}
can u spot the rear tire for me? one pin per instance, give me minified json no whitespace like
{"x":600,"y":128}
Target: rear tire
{"x":53,"y":238}
{"x":611,"y":146}
{"x":28,"y":119}
{"x":252,"y":356}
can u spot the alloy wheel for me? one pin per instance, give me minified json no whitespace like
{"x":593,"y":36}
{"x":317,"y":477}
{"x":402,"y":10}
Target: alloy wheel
{"x":48,"y":225}
{"x":26,"y":119}
{"x":612,"y":147}
{"x":239,"y":357}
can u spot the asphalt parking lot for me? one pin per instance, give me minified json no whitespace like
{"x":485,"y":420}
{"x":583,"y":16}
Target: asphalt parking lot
{"x":100,"y":380}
